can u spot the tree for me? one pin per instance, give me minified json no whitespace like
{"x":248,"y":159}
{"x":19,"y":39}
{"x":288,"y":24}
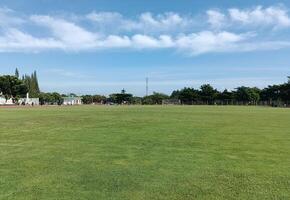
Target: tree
{"x":87,"y":99}
{"x":42,"y":98}
{"x":57,"y":98}
{"x":124,"y":98}
{"x":99,"y":99}
{"x":175,"y":94}
{"x":226,"y":97}
{"x":32,"y":84}
{"x":72,"y":95}
{"x":185,"y":95}
{"x":12,"y":87}
{"x":247,"y":95}
{"x":255,"y":95}
{"x":207,"y":93}
{"x":37,"y":90}
{"x":17,"y":73}
{"x":285,"y":92}
{"x":121,"y":98}
{"x":50,"y":98}
{"x":136,"y":100}
{"x":155,"y":98}
{"x":271,"y":93}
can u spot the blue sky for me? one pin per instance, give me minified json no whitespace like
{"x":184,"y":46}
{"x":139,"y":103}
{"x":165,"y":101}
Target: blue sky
{"x":86,"y":46}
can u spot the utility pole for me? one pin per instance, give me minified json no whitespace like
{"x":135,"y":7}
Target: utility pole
{"x":147,"y":88}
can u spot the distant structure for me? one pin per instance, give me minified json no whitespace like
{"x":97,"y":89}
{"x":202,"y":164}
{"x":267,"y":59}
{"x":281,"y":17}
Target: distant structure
{"x":21,"y":101}
{"x":72,"y":100}
{"x":3,"y":100}
{"x":29,"y":101}
{"x":147,"y":85}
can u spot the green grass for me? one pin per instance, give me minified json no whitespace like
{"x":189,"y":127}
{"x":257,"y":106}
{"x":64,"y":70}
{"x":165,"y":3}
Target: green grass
{"x":151,"y":152}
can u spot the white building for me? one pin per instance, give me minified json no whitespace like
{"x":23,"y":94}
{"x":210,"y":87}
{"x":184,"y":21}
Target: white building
{"x":22,"y":101}
{"x":72,"y":101}
{"x":29,"y":101}
{"x":3,"y":100}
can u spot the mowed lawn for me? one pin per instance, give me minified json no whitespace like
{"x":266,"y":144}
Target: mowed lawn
{"x":144,"y":152}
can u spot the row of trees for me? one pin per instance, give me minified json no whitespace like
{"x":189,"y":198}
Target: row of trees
{"x":50,"y":98}
{"x":275,"y":95}
{"x":208,"y":95}
{"x":14,"y":87}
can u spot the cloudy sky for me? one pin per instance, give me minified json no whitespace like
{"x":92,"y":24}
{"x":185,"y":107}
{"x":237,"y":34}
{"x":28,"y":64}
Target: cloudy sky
{"x":87,"y":46}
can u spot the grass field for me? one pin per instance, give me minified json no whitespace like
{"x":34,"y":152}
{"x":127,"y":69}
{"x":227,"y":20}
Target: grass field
{"x":152,"y":152}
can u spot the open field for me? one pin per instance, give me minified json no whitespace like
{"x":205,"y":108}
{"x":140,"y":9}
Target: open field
{"x":151,"y":152}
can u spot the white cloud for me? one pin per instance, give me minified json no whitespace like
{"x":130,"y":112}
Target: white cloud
{"x":70,"y":34}
{"x":145,"y":41}
{"x":215,"y":18}
{"x":206,"y":41}
{"x":104,"y":17}
{"x":7,"y":18}
{"x":145,"y":22}
{"x":147,"y":31}
{"x":16,"y":41}
{"x":165,"y":21}
{"x":211,"y":42}
{"x":273,"y":16}
{"x":114,"y":41}
{"x":261,"y":46}
{"x":192,"y":44}
{"x":111,"y":22}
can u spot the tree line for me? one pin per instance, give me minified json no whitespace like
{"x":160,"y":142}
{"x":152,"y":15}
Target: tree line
{"x":12,"y":86}
{"x":274,"y":95}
